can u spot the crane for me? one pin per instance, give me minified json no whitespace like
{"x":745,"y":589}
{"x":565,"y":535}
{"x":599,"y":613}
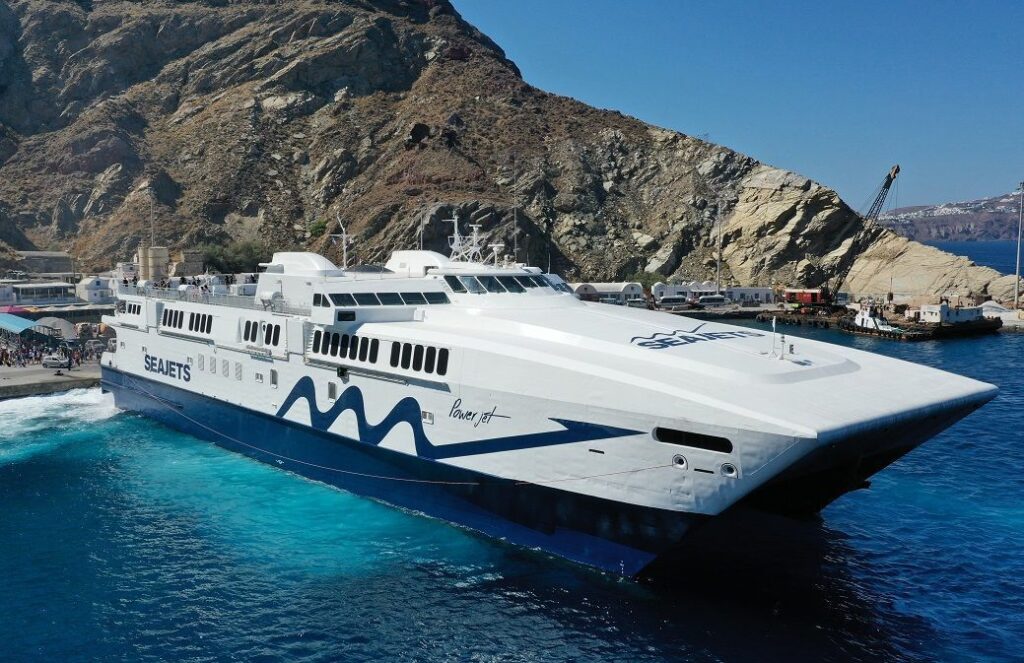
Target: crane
{"x":883,"y":191}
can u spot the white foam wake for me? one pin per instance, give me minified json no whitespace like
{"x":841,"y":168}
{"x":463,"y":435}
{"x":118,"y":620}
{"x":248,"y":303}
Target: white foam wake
{"x":71,"y":409}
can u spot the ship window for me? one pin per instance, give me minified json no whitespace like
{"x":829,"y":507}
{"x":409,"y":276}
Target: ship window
{"x":695,"y":440}
{"x":325,"y":345}
{"x":225,"y":367}
{"x":453,"y":283}
{"x":374,"y":348}
{"x":413,"y":298}
{"x":213,"y":364}
{"x":259,"y":377}
{"x":442,"y":361}
{"x":491,"y":283}
{"x":268,"y":331}
{"x":428,"y":360}
{"x":316,"y":340}
{"x":396,"y":351}
{"x":353,"y":347}
{"x":202,"y":362}
{"x":390,"y":298}
{"x":526,"y":281}
{"x":332,"y":391}
{"x":335,"y":340}
{"x":277,"y":334}
{"x":191,"y":321}
{"x":436,"y":298}
{"x":510,"y":284}
{"x":417,"y":358}
{"x":342,"y":299}
{"x":318,"y":299}
{"x":366,"y":299}
{"x":364,"y":348}
{"x":406,"y":355}
{"x":346,"y":316}
{"x":209,"y":324}
{"x":472,"y":285}
{"x":238,"y":371}
{"x":344,"y":345}
{"x":273,"y":378}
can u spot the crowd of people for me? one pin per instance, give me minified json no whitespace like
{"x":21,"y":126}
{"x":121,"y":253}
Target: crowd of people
{"x":31,"y":354}
{"x":21,"y":354}
{"x":195,"y":281}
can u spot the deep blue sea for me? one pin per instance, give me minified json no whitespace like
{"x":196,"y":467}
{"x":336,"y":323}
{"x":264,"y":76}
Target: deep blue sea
{"x":1000,"y":255}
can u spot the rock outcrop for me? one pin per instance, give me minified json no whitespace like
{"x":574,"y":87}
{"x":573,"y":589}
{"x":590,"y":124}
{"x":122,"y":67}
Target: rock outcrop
{"x":213,"y":120}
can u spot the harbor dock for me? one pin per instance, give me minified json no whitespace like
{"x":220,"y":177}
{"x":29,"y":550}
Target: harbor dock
{"x":37,"y":381}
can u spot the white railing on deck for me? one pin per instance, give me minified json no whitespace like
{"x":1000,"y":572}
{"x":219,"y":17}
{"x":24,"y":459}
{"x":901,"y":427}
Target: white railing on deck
{"x":198,"y":297}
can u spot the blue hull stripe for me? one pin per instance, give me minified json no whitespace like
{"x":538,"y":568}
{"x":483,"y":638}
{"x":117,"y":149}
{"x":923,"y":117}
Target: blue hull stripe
{"x":612,"y":536}
{"x":408,"y":411}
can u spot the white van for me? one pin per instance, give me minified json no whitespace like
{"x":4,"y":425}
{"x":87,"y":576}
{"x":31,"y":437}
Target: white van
{"x":713,"y":300}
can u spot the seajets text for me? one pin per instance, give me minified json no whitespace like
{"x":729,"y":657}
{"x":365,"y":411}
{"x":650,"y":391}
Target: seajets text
{"x":662,"y":340}
{"x":172,"y":369}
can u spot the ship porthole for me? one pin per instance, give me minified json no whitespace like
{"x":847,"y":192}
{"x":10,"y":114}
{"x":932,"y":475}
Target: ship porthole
{"x":679,"y":462}
{"x":729,"y":470}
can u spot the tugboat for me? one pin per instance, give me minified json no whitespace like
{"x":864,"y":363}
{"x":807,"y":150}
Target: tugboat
{"x":870,"y":321}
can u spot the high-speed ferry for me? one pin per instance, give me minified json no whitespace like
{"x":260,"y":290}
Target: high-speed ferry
{"x":484,"y":393}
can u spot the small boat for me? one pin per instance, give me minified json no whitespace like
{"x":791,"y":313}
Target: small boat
{"x":870,"y":321}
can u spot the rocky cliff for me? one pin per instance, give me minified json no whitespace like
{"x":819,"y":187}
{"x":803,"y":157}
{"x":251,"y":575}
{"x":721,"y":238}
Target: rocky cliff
{"x":971,"y":220}
{"x":203,"y":122}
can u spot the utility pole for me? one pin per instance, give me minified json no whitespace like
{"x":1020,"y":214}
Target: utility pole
{"x":1020,"y":226}
{"x":718,"y":259}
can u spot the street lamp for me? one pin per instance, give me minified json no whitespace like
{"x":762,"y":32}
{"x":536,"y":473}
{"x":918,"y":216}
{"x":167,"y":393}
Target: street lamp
{"x":1020,"y":226}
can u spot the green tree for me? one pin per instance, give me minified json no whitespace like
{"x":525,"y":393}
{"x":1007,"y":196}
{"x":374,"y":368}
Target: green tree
{"x":317,"y":228}
{"x":235,"y":257}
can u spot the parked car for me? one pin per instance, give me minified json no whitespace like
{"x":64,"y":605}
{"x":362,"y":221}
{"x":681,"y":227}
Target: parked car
{"x":96,"y":345}
{"x":55,"y":361}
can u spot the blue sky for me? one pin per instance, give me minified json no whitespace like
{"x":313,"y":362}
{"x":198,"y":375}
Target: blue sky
{"x":836,"y":90}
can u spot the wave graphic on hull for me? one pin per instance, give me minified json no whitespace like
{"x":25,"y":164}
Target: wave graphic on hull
{"x":408,"y":411}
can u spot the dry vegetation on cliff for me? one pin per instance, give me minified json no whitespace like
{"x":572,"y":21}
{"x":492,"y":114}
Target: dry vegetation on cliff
{"x":256,"y":120}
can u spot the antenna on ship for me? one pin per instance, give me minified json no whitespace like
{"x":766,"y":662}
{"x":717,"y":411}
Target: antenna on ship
{"x":455,"y":240}
{"x":496,"y":249}
{"x":419,"y":232}
{"x":473,"y":253}
{"x":346,"y":241}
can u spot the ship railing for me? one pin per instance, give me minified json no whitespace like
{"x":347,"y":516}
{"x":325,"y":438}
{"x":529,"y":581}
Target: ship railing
{"x":198,"y":297}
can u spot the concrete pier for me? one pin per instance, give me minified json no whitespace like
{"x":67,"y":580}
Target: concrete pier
{"x":36,"y":380}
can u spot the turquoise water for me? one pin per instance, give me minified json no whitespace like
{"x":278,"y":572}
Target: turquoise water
{"x":123,"y":540}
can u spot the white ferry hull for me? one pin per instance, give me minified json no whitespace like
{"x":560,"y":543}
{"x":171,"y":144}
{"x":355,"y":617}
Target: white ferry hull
{"x":612,"y":536}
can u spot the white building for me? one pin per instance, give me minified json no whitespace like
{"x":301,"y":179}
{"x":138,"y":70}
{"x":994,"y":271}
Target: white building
{"x":54,"y":292}
{"x":950,"y":314}
{"x":94,"y":290}
{"x":751,"y":294}
{"x":617,"y":293}
{"x":694,"y":290}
